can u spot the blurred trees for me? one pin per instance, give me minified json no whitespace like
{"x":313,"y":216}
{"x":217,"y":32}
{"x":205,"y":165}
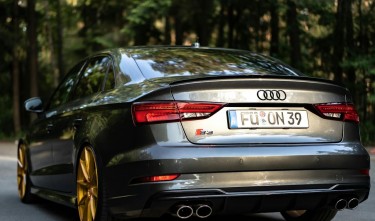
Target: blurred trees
{"x":41,"y":40}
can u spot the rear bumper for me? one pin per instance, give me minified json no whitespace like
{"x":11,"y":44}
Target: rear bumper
{"x":248,"y":201}
{"x":239,"y":179}
{"x":158,"y":199}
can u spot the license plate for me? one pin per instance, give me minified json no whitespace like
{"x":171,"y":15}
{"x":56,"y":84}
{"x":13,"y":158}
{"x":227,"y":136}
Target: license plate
{"x":267,"y":119}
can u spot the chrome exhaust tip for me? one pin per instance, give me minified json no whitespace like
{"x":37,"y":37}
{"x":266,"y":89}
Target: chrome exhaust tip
{"x":341,"y":204}
{"x":353,"y":203}
{"x":203,"y":210}
{"x":183,"y":211}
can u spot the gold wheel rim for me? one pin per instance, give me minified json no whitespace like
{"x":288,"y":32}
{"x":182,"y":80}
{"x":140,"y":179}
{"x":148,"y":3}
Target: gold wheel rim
{"x":21,"y":171}
{"x":87,"y":185}
{"x":296,"y":213}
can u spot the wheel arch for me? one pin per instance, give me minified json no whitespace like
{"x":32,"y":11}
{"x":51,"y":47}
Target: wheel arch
{"x":101,"y":210}
{"x":79,"y":148}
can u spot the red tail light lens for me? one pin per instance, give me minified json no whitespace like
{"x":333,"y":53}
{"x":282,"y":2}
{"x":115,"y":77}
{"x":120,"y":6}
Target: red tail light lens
{"x":344,"y":112}
{"x":157,"y":112}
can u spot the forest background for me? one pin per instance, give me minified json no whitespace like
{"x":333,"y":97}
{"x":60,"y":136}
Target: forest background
{"x":42,"y":39}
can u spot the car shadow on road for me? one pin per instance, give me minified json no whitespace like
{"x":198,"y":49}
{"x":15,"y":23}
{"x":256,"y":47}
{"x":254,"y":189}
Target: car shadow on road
{"x":57,"y":211}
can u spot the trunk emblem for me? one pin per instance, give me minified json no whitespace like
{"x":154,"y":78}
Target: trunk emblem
{"x":200,"y":132}
{"x":269,"y":95}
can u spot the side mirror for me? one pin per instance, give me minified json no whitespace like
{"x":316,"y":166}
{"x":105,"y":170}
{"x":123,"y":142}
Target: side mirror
{"x":34,"y":104}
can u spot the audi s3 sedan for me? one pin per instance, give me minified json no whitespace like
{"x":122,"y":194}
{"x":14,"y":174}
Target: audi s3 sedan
{"x":165,"y":131}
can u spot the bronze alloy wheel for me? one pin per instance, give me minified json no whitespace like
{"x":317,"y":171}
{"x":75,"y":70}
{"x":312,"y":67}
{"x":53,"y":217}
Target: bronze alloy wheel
{"x":21,"y":172}
{"x":87,"y":185}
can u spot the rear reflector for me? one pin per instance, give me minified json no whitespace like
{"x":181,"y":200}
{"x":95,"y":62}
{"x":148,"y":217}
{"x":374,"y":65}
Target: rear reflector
{"x":365,"y":172}
{"x":344,"y":112}
{"x":148,"y":179}
{"x":157,"y":112}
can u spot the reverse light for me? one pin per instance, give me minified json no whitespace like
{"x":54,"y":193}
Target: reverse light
{"x":342,"y":111}
{"x":157,"y":112}
{"x":160,"y":178}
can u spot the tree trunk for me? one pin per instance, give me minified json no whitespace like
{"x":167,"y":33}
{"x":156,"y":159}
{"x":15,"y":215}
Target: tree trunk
{"x":242,"y":31}
{"x":350,"y":47}
{"x":167,"y":31}
{"x":257,"y":27}
{"x":60,"y":57}
{"x":32,"y":46}
{"x":274,"y":47}
{"x":16,"y":72}
{"x":221,"y":24}
{"x":338,"y":50}
{"x":231,"y":23}
{"x":202,"y":21}
{"x":294,"y":32}
{"x":176,"y":18}
{"x":141,"y":34}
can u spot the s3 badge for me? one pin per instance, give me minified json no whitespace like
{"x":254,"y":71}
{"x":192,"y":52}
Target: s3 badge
{"x":201,"y":132}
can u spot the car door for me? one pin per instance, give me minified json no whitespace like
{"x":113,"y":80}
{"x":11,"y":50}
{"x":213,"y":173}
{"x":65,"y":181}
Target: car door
{"x":44,"y":133}
{"x":40,"y":152}
{"x":89,"y":85}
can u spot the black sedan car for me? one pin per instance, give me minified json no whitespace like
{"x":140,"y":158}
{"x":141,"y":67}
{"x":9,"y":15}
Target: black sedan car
{"x":193,"y":132}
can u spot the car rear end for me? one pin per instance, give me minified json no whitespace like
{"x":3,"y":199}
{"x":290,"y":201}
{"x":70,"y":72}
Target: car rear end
{"x":240,"y":144}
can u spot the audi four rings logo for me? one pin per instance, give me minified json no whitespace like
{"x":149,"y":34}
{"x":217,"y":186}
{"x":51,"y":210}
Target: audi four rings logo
{"x":269,"y":95}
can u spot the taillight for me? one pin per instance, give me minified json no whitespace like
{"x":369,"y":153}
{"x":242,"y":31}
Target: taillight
{"x":344,"y":112}
{"x":157,"y":112}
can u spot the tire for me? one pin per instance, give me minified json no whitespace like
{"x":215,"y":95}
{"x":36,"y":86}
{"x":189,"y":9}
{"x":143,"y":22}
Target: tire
{"x":23,"y":179}
{"x":321,"y":214}
{"x":91,"y":197}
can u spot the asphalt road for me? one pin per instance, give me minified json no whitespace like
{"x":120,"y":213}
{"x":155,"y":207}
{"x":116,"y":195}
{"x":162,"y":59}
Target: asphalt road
{"x":11,"y":209}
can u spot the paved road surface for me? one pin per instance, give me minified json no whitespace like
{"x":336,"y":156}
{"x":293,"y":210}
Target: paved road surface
{"x":11,"y":209}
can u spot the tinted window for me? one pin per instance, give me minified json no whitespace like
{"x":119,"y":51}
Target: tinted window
{"x":64,"y":90}
{"x":110,"y":78}
{"x":168,"y":62}
{"x":92,"y":78}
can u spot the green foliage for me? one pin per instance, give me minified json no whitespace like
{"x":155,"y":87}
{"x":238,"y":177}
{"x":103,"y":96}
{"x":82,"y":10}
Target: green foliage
{"x":104,"y":41}
{"x":143,"y":11}
{"x":141,"y":18}
{"x":364,"y":62}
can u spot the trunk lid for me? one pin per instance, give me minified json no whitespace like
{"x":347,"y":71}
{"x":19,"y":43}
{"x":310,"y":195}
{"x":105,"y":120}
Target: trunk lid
{"x":262,"y":110}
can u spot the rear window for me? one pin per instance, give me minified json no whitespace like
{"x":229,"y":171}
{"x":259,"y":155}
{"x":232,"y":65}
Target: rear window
{"x":178,"y":62}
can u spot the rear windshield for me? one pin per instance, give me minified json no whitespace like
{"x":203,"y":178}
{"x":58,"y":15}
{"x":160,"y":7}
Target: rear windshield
{"x":178,"y":62}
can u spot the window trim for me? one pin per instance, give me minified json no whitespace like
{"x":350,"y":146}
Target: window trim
{"x":68,"y":98}
{"x":88,"y":60}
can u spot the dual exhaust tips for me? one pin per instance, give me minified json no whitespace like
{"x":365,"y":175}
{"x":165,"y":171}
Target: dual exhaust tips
{"x":204,"y":210}
{"x":346,"y":204}
{"x":186,"y":211}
